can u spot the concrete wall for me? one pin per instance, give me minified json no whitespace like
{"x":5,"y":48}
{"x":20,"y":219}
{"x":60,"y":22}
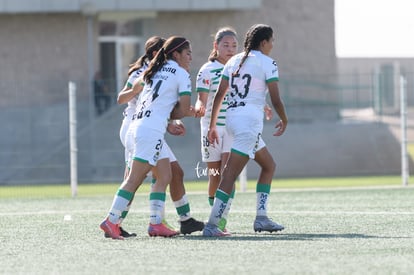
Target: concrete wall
{"x":304,"y":32}
{"x":39,"y":54}
{"x":45,"y":48}
{"x":41,"y":6}
{"x":43,"y":51}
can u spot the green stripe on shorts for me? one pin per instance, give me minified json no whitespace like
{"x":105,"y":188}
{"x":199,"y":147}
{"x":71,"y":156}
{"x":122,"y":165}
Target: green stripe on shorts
{"x":140,"y":160}
{"x":239,"y":153}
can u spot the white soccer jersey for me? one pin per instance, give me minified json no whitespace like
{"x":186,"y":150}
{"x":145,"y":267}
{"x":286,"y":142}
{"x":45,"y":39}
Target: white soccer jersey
{"x":130,"y":109}
{"x":208,"y":79}
{"x":247,"y":90}
{"x":132,"y":104}
{"x":158,"y":99}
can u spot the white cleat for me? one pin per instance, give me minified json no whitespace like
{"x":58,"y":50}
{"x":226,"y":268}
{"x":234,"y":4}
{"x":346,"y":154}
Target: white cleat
{"x":263,"y":223}
{"x":211,"y":230}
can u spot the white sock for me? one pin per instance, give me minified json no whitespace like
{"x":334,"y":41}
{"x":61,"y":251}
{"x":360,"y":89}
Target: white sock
{"x":227,"y":209}
{"x":261,"y":205}
{"x":156,"y":211}
{"x":157,"y":205}
{"x":183,"y":208}
{"x":220,"y":202}
{"x":119,"y":204}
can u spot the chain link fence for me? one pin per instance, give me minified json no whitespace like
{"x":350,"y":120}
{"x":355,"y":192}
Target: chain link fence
{"x":35,"y":124}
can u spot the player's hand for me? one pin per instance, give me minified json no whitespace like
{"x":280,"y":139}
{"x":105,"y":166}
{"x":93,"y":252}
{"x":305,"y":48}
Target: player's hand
{"x":192,"y":112}
{"x":268,"y":112}
{"x":199,"y":109}
{"x":176,"y":128}
{"x":212,"y":136}
{"x":281,"y":127}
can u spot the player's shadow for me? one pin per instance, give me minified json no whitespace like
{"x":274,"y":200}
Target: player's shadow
{"x":292,"y":236}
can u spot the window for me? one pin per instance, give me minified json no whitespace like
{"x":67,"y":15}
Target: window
{"x":120,"y":44}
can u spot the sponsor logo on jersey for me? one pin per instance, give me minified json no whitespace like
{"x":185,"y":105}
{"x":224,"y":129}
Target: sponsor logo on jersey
{"x":168,"y":70}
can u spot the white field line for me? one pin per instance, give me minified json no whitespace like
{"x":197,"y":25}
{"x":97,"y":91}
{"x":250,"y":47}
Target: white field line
{"x":276,"y":189}
{"x":172,"y":211}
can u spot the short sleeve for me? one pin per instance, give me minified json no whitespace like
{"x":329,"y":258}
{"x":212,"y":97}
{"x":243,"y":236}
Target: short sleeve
{"x":225,"y":73}
{"x":203,"y":80}
{"x":133,"y":77}
{"x":271,"y":71}
{"x":184,"y":83}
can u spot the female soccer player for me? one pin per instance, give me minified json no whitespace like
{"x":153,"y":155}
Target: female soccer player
{"x":166,"y":95}
{"x":177,"y":189}
{"x":152,"y":45}
{"x":248,"y":76}
{"x":224,"y":47}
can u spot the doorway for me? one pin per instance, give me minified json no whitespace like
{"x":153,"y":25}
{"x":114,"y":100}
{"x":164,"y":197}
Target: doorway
{"x":116,"y":54}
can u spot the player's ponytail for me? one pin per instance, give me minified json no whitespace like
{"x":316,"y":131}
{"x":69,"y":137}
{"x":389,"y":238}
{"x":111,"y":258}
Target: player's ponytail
{"x":254,"y":36}
{"x":137,"y":64}
{"x":171,"y":45}
{"x":155,"y":65}
{"x":153,"y":44}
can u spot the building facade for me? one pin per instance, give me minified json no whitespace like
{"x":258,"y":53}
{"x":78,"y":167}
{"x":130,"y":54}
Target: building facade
{"x":45,"y":44}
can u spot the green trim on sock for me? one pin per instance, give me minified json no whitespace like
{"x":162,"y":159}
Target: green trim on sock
{"x":124,"y":214}
{"x":125,"y":194}
{"x":211,"y":201}
{"x":157,"y":196}
{"x":232,"y":194}
{"x":222,"y":224}
{"x":183,"y":209}
{"x":263,"y":188}
{"x":223,"y":196}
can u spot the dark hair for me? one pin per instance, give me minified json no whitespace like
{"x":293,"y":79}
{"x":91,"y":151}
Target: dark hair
{"x":254,"y":36}
{"x":153,"y":43}
{"x":218,"y":37}
{"x":172,"y":44}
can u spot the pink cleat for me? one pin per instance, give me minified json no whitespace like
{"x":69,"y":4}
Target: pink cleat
{"x":161,"y":230}
{"x":111,"y":229}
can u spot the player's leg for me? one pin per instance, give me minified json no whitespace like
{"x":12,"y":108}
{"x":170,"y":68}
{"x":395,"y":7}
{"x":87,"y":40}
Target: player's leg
{"x":214,"y":176}
{"x":157,"y":200}
{"x":226,"y":141}
{"x":268,"y":167}
{"x":245,"y":137}
{"x":123,"y":197}
{"x":123,"y":232}
{"x":127,"y":140}
{"x":234,"y":166}
{"x":177,"y":188}
{"x":188,"y":224}
{"x":153,"y":181}
{"x":211,"y":155}
{"x":214,"y":181}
